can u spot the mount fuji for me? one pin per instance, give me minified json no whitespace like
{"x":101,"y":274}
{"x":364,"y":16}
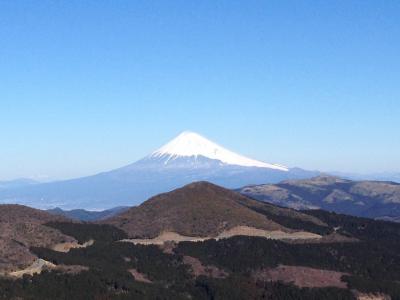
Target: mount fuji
{"x":192,"y":151}
{"x":187,"y":158}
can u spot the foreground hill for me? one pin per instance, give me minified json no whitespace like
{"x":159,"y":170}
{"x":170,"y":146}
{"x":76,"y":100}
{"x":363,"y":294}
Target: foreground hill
{"x":203,"y":209}
{"x":373,"y":199}
{"x":366,"y":265}
{"x":21,"y":228}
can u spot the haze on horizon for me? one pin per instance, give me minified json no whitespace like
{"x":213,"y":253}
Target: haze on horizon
{"x":91,"y":86}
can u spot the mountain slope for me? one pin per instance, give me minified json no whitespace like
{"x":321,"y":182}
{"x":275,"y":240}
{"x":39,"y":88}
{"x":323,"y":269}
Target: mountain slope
{"x":21,"y":228}
{"x":202,"y":209}
{"x":187,"y":158}
{"x":373,"y":199}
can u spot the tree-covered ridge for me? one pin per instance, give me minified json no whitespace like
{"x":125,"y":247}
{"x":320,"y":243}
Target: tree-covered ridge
{"x":364,"y":259}
{"x":361,"y":228}
{"x":84,"y":232}
{"x":94,"y":285}
{"x":121,"y":256}
{"x":293,"y":222}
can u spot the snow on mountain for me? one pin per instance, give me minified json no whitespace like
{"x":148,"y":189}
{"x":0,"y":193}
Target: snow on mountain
{"x":191,"y":144}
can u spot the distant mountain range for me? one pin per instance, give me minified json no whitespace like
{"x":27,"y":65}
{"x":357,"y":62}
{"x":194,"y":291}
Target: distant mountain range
{"x":372,"y":199}
{"x":17,"y":183}
{"x":187,"y":158}
{"x":382,"y":176}
{"x":87,"y":215}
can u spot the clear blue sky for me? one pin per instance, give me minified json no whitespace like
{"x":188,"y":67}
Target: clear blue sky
{"x":87,"y":86}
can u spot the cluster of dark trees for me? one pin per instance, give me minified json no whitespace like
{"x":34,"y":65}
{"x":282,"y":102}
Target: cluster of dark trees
{"x":293,"y":222}
{"x":84,"y":232}
{"x":88,"y":285}
{"x":242,"y":287}
{"x":93,"y":285}
{"x":373,"y":261}
{"x":365,"y":259}
{"x":362,"y":228}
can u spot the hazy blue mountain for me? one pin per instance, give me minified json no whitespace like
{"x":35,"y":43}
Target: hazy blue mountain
{"x":385,"y":176}
{"x":88,"y":215}
{"x":17,"y":183}
{"x":187,"y":158}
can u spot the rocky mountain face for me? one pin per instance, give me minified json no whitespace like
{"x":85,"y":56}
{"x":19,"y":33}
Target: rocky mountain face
{"x":373,"y":199}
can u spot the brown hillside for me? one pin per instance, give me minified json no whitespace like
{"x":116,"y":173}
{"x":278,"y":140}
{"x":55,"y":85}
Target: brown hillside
{"x":198,"y":209}
{"x":22,"y":227}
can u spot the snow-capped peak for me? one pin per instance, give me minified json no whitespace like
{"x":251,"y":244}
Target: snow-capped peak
{"x":189,"y":144}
